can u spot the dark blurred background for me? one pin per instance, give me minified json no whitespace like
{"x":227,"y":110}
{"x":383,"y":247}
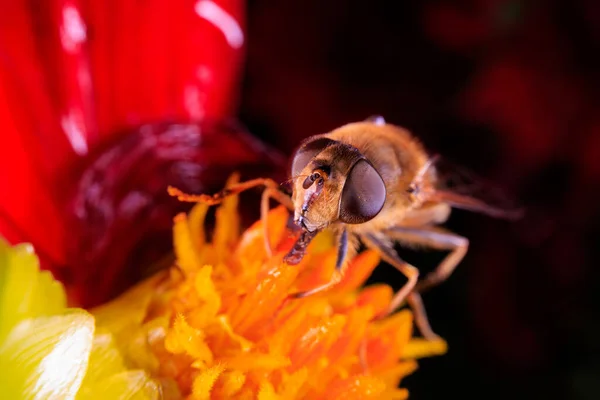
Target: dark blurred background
{"x":103,"y":104}
{"x":506,"y":88}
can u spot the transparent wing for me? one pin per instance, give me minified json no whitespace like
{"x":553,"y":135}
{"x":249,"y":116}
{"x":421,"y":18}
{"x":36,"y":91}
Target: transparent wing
{"x":462,"y":188}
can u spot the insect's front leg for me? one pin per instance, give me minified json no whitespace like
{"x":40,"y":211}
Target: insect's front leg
{"x":218,"y":197}
{"x":346,"y":249}
{"x":271,"y":192}
{"x":347,"y":245}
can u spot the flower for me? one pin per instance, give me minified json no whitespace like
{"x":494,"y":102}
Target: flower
{"x":217,"y":324}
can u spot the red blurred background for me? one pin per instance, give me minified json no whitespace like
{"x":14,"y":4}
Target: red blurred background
{"x":507,"y":88}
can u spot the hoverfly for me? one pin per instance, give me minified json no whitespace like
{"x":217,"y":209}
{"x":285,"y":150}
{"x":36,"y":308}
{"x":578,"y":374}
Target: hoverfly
{"x":374,"y":183}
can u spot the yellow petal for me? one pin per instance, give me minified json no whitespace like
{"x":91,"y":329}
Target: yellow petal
{"x":105,"y":359}
{"x":208,"y":295}
{"x":245,"y":344}
{"x":377,"y":297}
{"x":227,"y":227}
{"x":293,"y":322}
{"x":205,"y":381}
{"x":343,"y":356}
{"x":395,"y":394}
{"x":25,"y":291}
{"x":317,"y":340}
{"x":46,"y":357}
{"x":321,"y":273}
{"x":182,"y":338}
{"x":393,"y":375}
{"x":251,"y":244}
{"x":130,"y":309}
{"x":196,"y":224}
{"x":358,"y":271}
{"x":263,"y":300}
{"x":136,"y":344}
{"x":267,"y":392}
{"x":387,"y":339}
{"x":256,"y":361}
{"x":187,"y":252}
{"x":232,"y":383}
{"x":358,"y":388}
{"x":291,"y":385}
{"x":324,"y":241}
{"x":127,"y":385}
{"x":108,"y":378}
{"x":419,"y":348}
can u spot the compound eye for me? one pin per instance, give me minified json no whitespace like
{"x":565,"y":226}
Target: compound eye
{"x":307,"y":151}
{"x":363,"y":195}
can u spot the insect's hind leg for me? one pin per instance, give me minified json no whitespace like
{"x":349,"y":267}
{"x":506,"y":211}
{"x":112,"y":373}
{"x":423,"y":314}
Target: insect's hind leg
{"x":384,"y":247}
{"x":435,"y":238}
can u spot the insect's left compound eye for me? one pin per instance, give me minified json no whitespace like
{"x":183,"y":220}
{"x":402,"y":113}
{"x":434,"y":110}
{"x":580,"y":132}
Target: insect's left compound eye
{"x":307,"y":152}
{"x":363,"y":195}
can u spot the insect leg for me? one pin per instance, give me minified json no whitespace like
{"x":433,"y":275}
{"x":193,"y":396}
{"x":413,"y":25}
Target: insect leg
{"x":271,"y":193}
{"x":220,"y":196}
{"x":437,"y":239}
{"x":345,"y":246}
{"x":385,"y":249}
{"x":415,"y":302}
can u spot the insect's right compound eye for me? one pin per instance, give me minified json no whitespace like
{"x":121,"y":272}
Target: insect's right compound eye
{"x":363,"y":195}
{"x":307,"y":152}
